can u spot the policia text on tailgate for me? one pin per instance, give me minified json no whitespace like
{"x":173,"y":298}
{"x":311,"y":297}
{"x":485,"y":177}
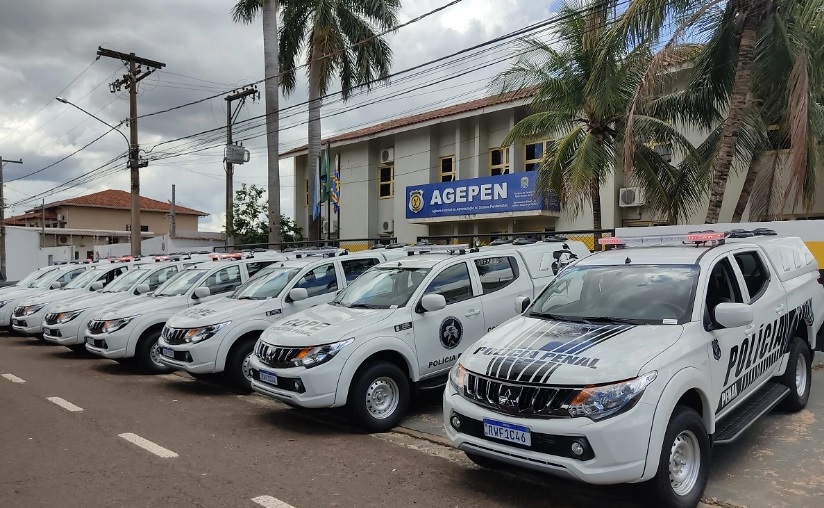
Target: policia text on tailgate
{"x":633,"y":362}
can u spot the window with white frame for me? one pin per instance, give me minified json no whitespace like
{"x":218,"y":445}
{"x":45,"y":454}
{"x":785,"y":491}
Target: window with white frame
{"x":499,"y":161}
{"x":386,"y":182}
{"x":447,"y":166}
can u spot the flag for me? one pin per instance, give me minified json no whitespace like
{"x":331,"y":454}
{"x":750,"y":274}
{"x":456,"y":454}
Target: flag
{"x":316,"y":195}
{"x":335,"y":191}
{"x":324,"y":176}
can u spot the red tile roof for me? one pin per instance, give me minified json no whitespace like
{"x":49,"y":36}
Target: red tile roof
{"x":424,"y":117}
{"x":21,"y":220}
{"x":122,"y":200}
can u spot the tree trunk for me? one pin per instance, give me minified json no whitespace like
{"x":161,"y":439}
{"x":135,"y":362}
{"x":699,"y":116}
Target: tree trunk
{"x":314,"y":137}
{"x":595,"y":188}
{"x":738,"y":101}
{"x":272,"y":87}
{"x":746,"y":191}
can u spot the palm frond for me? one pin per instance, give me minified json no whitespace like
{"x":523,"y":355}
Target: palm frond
{"x":245,"y":11}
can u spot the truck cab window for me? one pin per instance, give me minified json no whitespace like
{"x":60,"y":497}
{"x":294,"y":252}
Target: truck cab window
{"x":722,"y":287}
{"x":755,"y":274}
{"x":453,"y":283}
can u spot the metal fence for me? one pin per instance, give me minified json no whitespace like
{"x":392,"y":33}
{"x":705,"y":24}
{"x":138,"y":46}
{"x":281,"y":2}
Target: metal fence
{"x":353,"y":245}
{"x":588,"y":237}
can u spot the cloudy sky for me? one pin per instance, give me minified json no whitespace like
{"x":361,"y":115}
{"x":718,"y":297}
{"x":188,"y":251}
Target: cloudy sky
{"x":46,"y":44}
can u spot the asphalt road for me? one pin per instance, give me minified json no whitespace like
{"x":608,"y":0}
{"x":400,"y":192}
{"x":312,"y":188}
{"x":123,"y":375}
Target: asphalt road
{"x":79,"y":431}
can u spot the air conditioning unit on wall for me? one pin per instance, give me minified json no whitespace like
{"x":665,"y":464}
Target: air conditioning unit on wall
{"x":387,"y":155}
{"x":63,"y":240}
{"x":387,"y":226}
{"x":630,"y":196}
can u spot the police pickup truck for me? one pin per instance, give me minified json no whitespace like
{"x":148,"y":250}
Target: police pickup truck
{"x":399,"y":326}
{"x":219,"y":336}
{"x":50,"y":279}
{"x":65,"y":322}
{"x":633,"y":362}
{"x":131,"y":328}
{"x":27,"y":318}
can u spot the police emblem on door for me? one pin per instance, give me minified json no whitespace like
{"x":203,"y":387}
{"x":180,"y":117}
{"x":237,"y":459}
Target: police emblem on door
{"x":451,"y":332}
{"x":415,"y":201}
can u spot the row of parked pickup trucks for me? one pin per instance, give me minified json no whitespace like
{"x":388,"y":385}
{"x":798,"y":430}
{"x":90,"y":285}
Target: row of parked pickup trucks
{"x":622,"y":366}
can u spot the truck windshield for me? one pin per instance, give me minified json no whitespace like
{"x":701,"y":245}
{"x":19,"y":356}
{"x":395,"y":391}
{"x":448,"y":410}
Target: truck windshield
{"x":382,"y":288}
{"x":182,"y":282}
{"x":84,"y":280}
{"x":637,"y":294}
{"x":29,"y":280}
{"x":266,"y":286}
{"x":125,"y":281}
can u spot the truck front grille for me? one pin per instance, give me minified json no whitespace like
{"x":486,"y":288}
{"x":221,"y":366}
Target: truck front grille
{"x":174,"y":336}
{"x":527,"y":401}
{"x":274,"y":356}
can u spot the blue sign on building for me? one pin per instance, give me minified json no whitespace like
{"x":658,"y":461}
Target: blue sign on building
{"x":514,"y":192}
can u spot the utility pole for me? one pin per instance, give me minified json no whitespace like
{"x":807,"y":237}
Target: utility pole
{"x":173,"y":229}
{"x":3,"y":216}
{"x":230,"y":158}
{"x":130,"y":80}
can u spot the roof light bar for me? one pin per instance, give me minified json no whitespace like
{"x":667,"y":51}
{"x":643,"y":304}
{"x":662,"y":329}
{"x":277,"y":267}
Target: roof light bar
{"x":412,"y":249}
{"x":323,"y":251}
{"x":696,"y":238}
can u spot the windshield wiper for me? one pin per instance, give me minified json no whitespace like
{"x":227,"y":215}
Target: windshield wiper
{"x":359,"y":306}
{"x":610,"y":319}
{"x":557,"y":317}
{"x":251,"y":298}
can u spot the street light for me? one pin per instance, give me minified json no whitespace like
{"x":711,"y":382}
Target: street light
{"x":133,"y":164}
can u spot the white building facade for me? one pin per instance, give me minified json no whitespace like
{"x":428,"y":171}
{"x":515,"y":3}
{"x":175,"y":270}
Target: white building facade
{"x":445,"y":173}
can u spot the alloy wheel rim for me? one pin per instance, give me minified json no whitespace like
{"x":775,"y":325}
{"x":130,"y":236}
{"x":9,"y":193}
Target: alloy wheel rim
{"x":684,"y":463}
{"x":382,"y":398}
{"x":800,"y":376}
{"x":154,"y":355}
{"x":245,"y":368}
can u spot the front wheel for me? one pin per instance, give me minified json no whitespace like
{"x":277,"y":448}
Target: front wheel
{"x":148,"y":354}
{"x":798,"y":376}
{"x":683,"y":468}
{"x":379,"y":397}
{"x":237,"y":369}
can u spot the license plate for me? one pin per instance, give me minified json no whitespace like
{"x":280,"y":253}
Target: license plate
{"x":507,"y":432}
{"x":167,"y":352}
{"x":89,"y":341}
{"x":268,"y":377}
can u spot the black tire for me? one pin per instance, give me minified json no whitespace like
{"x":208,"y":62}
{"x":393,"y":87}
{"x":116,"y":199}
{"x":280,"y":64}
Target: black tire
{"x":800,"y":358}
{"x":485,"y":462}
{"x":237,"y":361}
{"x":144,"y":352}
{"x":686,"y":425}
{"x":370,"y":388}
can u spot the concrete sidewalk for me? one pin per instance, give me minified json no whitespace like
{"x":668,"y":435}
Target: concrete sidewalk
{"x":779,"y":462}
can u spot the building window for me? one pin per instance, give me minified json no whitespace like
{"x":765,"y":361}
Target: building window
{"x":664,"y":150}
{"x":534,"y":154}
{"x":448,"y":169}
{"x":386,"y":181}
{"x":499,"y":161}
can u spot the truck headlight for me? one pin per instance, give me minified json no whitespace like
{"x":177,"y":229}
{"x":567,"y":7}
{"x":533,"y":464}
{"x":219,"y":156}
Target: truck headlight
{"x":599,"y":402}
{"x":317,"y":355}
{"x":196,"y":335}
{"x":28,"y":310}
{"x":457,"y":376}
{"x":114,"y":325}
{"x":64,"y":317}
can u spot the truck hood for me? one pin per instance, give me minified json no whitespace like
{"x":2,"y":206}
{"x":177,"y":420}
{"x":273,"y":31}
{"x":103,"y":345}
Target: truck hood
{"x":54,"y":296}
{"x":140,"y":305}
{"x":91,"y":300}
{"x":23,"y":294}
{"x":323,"y":324}
{"x":530,"y":350}
{"x":220,"y":311}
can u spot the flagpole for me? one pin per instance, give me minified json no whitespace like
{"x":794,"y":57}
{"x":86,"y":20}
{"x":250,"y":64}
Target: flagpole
{"x":337,"y":189}
{"x":329,"y":197}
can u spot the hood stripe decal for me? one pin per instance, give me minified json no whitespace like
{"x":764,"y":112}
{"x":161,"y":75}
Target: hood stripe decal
{"x":519,"y":338}
{"x":612,"y":332}
{"x":535,"y":335}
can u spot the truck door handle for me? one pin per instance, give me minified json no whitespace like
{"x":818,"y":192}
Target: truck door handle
{"x":779,"y":308}
{"x":748,"y":330}
{"x":472,"y":312}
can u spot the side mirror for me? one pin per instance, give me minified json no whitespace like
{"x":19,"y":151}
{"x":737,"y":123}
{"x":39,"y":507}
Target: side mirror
{"x":97,"y":286}
{"x":432,"y":302}
{"x":521,"y":303}
{"x":142,"y":289}
{"x":202,"y":292}
{"x":56,"y":285}
{"x":298,"y":294}
{"x":733,"y":315}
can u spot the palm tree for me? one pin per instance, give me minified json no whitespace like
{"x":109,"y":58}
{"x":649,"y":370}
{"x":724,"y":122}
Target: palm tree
{"x":343,"y":39}
{"x":245,"y":11}
{"x":583,"y":86}
{"x":751,"y":47}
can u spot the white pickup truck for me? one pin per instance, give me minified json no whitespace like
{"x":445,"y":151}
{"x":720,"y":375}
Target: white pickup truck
{"x":49,"y":281}
{"x":219,"y":336}
{"x":633,"y":362}
{"x":399,"y":326}
{"x":131,"y":328}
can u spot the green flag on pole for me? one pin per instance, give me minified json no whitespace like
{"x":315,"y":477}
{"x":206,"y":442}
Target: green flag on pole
{"x":324,"y":177}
